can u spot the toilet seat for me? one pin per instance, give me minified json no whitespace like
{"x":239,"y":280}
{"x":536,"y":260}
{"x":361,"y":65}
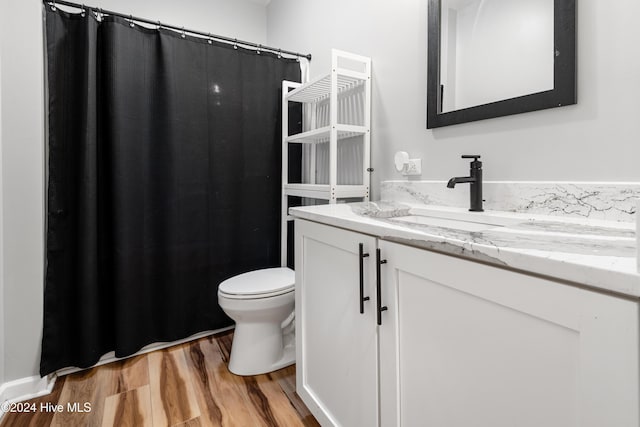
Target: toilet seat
{"x":265,"y":283}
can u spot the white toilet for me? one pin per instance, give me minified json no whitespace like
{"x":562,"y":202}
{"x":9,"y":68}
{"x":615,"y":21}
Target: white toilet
{"x":261,"y":303}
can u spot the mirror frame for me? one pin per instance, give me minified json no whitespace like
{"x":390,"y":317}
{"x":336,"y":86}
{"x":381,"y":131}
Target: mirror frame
{"x":564,"y":90}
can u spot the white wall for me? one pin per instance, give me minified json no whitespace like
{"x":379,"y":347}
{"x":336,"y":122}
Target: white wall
{"x":242,"y":19}
{"x":22,"y":184}
{"x":22,"y":144}
{"x":596,"y":140}
{"x":1,"y":222}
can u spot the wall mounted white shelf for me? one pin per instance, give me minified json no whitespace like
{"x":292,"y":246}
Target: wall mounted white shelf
{"x":321,"y":88}
{"x":349,"y":74}
{"x":325,"y":192}
{"x":323,"y":134}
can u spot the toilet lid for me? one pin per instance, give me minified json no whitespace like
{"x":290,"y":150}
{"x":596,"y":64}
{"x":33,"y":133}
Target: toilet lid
{"x":260,"y":282}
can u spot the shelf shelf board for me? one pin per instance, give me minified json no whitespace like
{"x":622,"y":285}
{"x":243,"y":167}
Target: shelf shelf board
{"x":323,"y":191}
{"x":323,"y":134}
{"x":319,"y":89}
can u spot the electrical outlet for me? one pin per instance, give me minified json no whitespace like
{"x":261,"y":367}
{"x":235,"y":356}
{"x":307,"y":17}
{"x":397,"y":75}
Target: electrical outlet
{"x":413,"y":167}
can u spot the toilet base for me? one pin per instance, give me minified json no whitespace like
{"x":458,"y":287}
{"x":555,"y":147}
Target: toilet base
{"x":274,"y":345}
{"x":288,"y":359}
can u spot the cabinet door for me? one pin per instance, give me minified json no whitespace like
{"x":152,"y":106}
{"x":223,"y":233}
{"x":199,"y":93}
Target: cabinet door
{"x":336,"y":345}
{"x":464,"y":344}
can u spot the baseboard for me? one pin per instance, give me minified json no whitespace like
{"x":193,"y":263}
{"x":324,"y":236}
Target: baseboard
{"x":26,"y":388}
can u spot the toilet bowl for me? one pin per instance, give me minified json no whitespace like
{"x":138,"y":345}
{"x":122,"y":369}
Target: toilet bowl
{"x":261,"y":303}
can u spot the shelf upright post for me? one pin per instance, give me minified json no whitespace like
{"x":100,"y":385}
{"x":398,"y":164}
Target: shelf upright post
{"x":366,"y":141}
{"x":333,"y":135}
{"x":284,"y":205}
{"x":313,"y":148}
{"x":285,"y":175}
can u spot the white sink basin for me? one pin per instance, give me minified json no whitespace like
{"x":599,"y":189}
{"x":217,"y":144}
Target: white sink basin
{"x":443,"y":222}
{"x":455,"y":219}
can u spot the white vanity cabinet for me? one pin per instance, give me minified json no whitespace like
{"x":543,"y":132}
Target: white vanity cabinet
{"x":336,"y":344}
{"x":460,"y":344}
{"x":467,"y":344}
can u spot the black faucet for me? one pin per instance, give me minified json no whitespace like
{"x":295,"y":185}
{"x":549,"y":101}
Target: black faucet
{"x":475,"y":181}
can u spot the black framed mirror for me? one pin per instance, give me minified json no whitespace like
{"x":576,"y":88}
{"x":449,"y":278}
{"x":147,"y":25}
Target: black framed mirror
{"x":493,"y":58}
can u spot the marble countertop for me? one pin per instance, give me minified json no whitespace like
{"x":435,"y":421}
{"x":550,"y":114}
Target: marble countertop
{"x":595,"y":253}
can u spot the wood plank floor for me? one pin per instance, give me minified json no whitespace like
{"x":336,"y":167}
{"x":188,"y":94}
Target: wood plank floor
{"x":186,"y":385}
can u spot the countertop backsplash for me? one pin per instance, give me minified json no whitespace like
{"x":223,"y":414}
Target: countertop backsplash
{"x":611,"y":201}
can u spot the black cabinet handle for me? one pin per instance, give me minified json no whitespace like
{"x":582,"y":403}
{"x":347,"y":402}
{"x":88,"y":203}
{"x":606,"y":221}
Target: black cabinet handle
{"x":362,"y":297}
{"x":379,"y":262}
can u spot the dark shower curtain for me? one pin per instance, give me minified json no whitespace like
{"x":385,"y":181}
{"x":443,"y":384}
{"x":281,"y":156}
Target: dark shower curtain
{"x":163,"y":180}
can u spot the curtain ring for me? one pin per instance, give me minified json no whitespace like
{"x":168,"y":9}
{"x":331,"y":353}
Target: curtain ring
{"x":82,"y":13}
{"x":258,"y":50}
{"x":131,"y":24}
{"x":53,"y":6}
{"x":159,"y":25}
{"x":183,"y":35}
{"x":235,"y":44}
{"x":210,"y":41}
{"x":279,"y":53}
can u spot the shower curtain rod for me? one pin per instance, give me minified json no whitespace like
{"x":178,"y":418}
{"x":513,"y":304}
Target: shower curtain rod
{"x":183,"y":30}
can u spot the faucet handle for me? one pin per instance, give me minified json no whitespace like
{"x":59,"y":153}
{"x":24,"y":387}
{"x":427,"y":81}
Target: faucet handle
{"x":475,"y":164}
